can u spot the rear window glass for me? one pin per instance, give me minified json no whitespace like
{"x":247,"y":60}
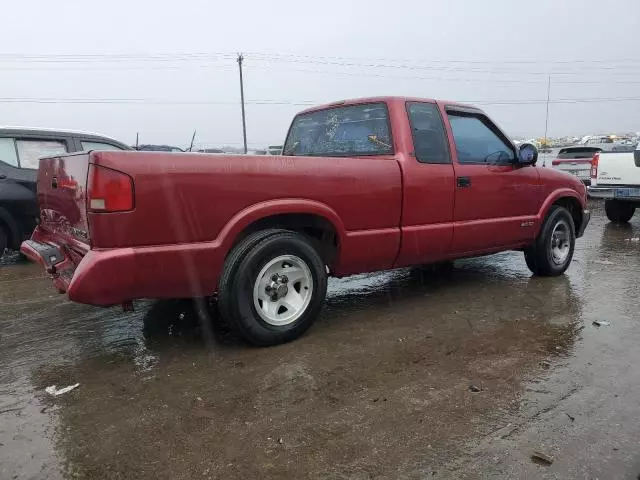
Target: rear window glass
{"x":584,"y":152}
{"x":8,"y":152}
{"x":30,"y":151}
{"x":343,"y":131}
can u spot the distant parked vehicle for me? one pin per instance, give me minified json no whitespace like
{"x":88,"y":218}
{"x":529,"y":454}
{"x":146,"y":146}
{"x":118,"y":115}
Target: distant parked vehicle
{"x":576,"y":161}
{"x":210,"y":150}
{"x":616,"y":178}
{"x":20,"y":151}
{"x":609,"y":143}
{"x":158,"y":148}
{"x":274,"y":150}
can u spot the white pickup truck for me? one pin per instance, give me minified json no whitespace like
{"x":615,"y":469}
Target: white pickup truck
{"x":616,"y":178}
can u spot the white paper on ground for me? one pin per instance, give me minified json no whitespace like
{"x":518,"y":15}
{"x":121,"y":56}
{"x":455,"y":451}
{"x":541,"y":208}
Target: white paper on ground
{"x":52,"y":390}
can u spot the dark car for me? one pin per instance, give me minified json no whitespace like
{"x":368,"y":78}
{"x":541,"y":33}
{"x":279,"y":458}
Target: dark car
{"x":20,"y":151}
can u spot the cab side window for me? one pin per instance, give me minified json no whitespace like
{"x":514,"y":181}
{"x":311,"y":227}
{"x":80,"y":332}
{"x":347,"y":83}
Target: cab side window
{"x":476,"y":141}
{"x":429,"y":138}
{"x":8,"y":152}
{"x":30,"y":151}
{"x":87,"y":145}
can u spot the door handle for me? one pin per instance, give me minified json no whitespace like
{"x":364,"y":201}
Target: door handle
{"x":464,"y":181}
{"x":3,"y":176}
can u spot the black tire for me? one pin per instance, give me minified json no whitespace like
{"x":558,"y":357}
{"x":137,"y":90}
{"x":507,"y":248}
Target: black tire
{"x":619,"y":212}
{"x":241,"y":311}
{"x":230,"y":268}
{"x":539,"y":256}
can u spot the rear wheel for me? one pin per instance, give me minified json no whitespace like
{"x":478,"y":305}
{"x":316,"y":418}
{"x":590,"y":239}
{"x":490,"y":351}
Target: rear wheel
{"x":277,"y":291}
{"x":552,"y":251}
{"x":619,"y":212}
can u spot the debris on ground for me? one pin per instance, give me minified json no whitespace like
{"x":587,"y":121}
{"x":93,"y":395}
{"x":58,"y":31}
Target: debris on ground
{"x":601,"y":323}
{"x":475,"y":388}
{"x":280,"y":440}
{"x":52,"y":390}
{"x":572,"y":418}
{"x":541,"y":458}
{"x":545,"y":365}
{"x":604,"y":262}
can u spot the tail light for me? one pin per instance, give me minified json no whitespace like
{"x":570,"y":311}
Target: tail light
{"x":109,"y":190}
{"x":594,"y":165}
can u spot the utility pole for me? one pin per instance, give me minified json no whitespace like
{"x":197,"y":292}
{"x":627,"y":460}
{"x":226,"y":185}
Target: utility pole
{"x":546,"y":121}
{"x":244,"y":123}
{"x":193,"y":137}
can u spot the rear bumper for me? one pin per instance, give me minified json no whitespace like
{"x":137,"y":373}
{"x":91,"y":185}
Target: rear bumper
{"x":609,"y":193}
{"x":586,"y":217}
{"x":115,"y":276}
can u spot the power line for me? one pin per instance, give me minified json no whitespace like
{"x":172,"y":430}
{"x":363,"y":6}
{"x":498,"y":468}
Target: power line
{"x":413,"y":60}
{"x":47,"y":57}
{"x":143,"y":101}
{"x":439,"y":78}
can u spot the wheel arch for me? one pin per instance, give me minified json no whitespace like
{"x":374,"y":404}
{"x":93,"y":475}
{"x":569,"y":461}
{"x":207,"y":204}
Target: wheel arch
{"x":568,"y":199}
{"x":315,"y":219}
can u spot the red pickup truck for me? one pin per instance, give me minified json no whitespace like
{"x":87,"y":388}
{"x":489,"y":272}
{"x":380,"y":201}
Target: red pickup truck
{"x":361,"y":185}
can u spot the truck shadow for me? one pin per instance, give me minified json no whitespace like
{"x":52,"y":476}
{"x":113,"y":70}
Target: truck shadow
{"x":500,"y":288}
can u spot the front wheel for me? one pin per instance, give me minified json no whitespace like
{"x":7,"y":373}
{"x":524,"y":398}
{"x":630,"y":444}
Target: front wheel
{"x":552,"y":251}
{"x":278,"y":289}
{"x":619,"y":212}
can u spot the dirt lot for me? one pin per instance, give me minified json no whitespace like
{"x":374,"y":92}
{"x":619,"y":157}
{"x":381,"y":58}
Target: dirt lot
{"x":379,"y":388}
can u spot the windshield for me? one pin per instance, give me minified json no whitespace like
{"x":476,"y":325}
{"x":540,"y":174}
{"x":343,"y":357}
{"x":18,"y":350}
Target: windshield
{"x":352,"y":130}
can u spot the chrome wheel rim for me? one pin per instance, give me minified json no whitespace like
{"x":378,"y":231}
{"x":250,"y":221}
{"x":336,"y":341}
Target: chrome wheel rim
{"x":560,"y":243}
{"x":282,"y":290}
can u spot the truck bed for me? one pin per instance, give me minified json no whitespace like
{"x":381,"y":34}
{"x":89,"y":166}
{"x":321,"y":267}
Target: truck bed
{"x":188,"y":209}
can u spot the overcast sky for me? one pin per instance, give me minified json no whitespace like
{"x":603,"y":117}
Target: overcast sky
{"x":165,"y":68}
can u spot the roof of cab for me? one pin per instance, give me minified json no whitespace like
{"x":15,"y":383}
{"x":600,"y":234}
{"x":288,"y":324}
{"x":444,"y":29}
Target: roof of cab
{"x":385,"y":99}
{"x":9,"y":130}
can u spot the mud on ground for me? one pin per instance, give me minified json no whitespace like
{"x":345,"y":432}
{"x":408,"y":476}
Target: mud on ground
{"x":408,"y":374}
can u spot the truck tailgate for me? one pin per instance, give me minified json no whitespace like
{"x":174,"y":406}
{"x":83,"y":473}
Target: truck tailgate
{"x":61,"y":184}
{"x":617,"y":169}
{"x":61,"y":239}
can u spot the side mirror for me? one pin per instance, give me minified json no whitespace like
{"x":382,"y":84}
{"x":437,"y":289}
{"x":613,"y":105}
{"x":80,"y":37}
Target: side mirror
{"x":527,"y":154}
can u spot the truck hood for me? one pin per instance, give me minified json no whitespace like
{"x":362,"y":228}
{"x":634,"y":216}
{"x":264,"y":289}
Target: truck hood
{"x":555,"y":179}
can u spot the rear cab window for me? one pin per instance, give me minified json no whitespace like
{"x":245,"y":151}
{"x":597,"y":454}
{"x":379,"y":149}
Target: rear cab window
{"x":352,"y":130}
{"x":477,"y":139}
{"x":577,"y":152}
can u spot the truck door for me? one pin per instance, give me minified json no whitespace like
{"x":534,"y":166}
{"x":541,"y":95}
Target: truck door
{"x":428,"y":184}
{"x":496,"y":200}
